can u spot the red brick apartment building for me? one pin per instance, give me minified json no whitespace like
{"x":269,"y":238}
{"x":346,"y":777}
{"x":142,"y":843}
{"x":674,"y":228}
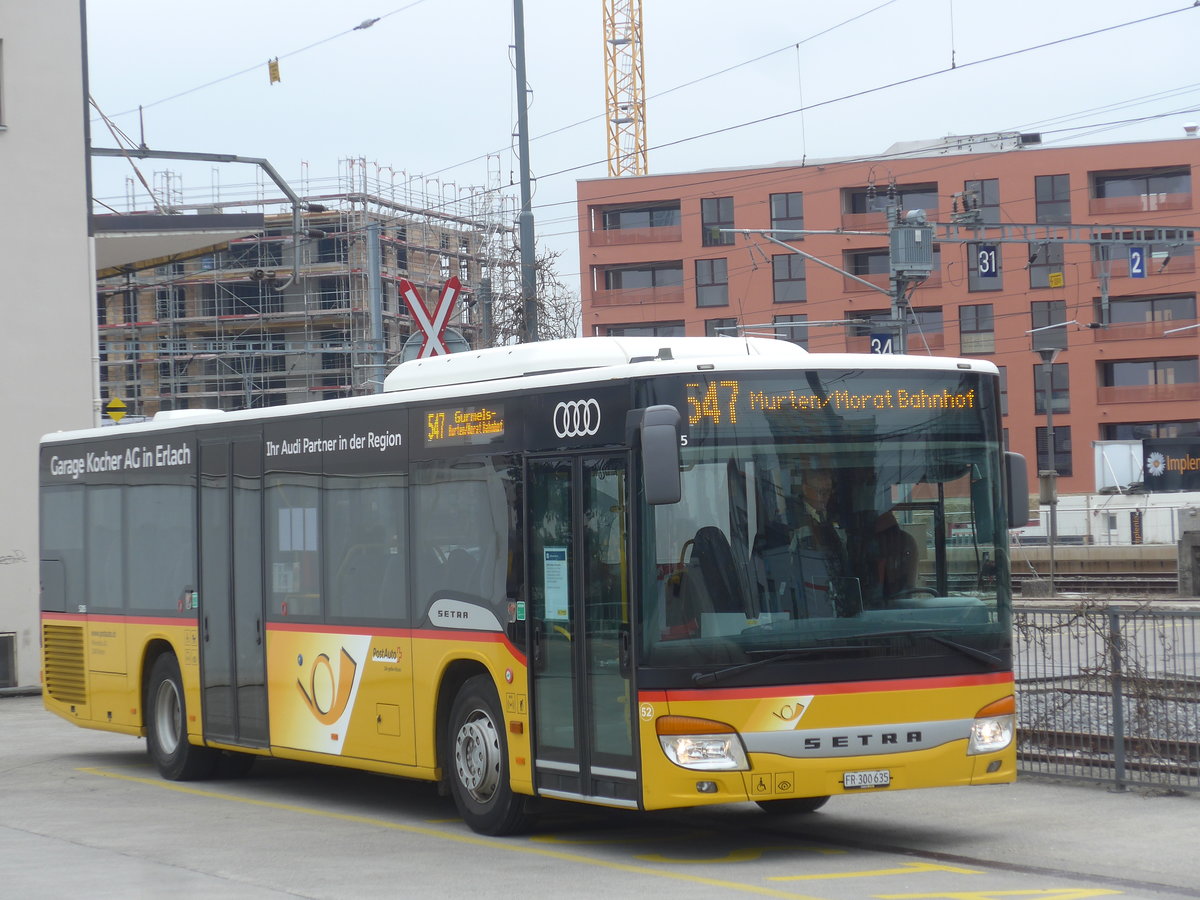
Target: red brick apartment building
{"x":655,"y":260}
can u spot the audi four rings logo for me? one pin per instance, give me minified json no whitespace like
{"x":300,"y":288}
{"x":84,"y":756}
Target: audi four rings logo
{"x":577,"y":418}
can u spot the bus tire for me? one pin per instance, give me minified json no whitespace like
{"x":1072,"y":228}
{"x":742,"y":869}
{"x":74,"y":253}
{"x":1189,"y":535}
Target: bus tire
{"x":166,"y":726}
{"x":792,"y":806}
{"x":477,"y":762}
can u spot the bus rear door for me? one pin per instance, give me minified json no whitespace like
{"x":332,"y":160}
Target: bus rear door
{"x":232,"y":658}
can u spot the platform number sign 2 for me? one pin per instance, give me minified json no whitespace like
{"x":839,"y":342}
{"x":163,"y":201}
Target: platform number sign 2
{"x":1137,"y":262}
{"x":987,"y":261}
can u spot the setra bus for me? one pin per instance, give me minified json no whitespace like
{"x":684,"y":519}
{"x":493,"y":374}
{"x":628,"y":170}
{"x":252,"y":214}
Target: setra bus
{"x":633,"y":572}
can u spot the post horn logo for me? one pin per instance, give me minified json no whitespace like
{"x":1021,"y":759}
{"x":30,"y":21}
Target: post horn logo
{"x":326,"y":697}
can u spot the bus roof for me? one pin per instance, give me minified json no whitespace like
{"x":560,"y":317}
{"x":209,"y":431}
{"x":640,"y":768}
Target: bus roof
{"x":548,"y":364}
{"x":573,"y":354}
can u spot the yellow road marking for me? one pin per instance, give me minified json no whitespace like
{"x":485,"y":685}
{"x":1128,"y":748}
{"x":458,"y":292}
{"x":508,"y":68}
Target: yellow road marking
{"x":1050,"y":894}
{"x":744,"y":854}
{"x":625,"y":838}
{"x":906,"y":869}
{"x":471,"y":839}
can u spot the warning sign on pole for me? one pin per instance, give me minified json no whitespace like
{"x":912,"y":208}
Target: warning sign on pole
{"x":115,"y":409}
{"x":432,"y":326}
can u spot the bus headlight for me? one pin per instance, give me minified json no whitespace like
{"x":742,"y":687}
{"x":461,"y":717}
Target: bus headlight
{"x":701,"y":744}
{"x":993,"y":727}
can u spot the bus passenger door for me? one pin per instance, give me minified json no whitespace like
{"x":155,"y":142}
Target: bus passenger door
{"x":580,"y":651}
{"x":232,"y":641}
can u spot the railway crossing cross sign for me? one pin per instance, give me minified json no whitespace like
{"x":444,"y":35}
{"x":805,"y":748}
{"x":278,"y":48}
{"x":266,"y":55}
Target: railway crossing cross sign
{"x":433,"y":327}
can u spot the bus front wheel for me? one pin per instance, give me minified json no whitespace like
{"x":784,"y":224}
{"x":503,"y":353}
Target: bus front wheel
{"x":166,"y":726}
{"x":477,"y":760}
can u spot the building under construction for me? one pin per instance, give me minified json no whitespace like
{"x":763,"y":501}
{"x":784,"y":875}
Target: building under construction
{"x":308,"y":306}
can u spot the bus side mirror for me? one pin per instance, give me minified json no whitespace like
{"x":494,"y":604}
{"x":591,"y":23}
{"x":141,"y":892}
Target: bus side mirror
{"x":1016,"y":478}
{"x":659,"y":433}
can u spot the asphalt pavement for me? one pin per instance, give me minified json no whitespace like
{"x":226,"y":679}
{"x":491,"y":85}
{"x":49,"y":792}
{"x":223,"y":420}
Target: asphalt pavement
{"x":72,"y":808}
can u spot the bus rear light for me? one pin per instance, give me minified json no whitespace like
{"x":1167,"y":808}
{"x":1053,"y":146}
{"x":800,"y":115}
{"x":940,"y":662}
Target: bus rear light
{"x":993,"y":727}
{"x":701,"y":744}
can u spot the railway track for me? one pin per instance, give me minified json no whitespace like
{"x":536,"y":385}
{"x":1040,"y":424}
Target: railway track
{"x":1159,"y":756}
{"x":1122,"y":584}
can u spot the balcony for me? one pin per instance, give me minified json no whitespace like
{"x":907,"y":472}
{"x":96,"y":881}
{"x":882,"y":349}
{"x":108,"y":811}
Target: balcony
{"x":1181,"y":260}
{"x":882,"y":279}
{"x":618,"y":237}
{"x":1138,"y":203}
{"x":1149,"y":393}
{"x":638,"y":296}
{"x":936,"y":341}
{"x":1132,"y":331}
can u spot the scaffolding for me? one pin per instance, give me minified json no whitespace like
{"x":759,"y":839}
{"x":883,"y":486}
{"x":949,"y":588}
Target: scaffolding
{"x":234,"y":329}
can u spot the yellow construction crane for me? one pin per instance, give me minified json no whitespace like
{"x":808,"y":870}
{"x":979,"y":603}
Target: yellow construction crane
{"x":624,"y":87}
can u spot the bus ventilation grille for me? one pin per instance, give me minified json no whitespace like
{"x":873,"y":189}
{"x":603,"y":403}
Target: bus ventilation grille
{"x":64,"y":670}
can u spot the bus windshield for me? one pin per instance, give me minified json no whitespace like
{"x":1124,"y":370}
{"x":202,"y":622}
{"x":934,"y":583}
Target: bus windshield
{"x":848,"y":521}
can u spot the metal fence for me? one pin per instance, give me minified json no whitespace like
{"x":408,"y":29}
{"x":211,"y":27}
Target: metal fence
{"x":1109,"y":692}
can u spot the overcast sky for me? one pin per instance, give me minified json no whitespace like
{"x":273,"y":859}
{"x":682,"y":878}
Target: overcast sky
{"x":428,"y":90}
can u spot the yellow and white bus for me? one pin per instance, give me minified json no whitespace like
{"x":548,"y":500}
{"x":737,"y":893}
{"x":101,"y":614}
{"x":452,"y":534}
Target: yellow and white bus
{"x":586,"y":570}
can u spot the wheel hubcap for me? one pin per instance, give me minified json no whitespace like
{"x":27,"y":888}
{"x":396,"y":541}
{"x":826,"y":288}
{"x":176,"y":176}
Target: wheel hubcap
{"x":168,"y":717}
{"x":477,"y":756}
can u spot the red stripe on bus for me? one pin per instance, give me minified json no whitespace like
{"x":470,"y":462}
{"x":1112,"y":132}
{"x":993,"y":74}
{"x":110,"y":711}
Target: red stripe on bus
{"x":116,"y":619}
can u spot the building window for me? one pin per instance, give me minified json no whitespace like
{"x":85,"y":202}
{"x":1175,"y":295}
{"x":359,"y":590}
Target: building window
{"x":787,"y":278}
{"x":1137,"y":431}
{"x":857,"y":201}
{"x":1046,"y":265}
{"x":716,"y":213}
{"x":647,"y":329}
{"x":721,"y":327}
{"x":925,"y":329}
{"x":1052,"y":198}
{"x":712,"y":282}
{"x":1003,"y":390}
{"x":983,"y":196}
{"x":1048,"y":312}
{"x":1062,"y":449}
{"x":984,"y":267}
{"x":1141,"y":190}
{"x":649,"y":275}
{"x":663,"y":214}
{"x":976,"y":329}
{"x":867,"y":262}
{"x":169,"y":303}
{"x":1060,"y":388}
{"x":792,"y":328}
{"x":1139,"y":372}
{"x":787,"y":216}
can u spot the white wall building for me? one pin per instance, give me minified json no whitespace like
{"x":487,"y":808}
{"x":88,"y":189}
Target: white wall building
{"x":47,"y":282}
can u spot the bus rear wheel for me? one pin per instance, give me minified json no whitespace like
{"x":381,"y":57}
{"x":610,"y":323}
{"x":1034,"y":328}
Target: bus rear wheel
{"x":166,"y":726}
{"x":792,"y":806}
{"x":477,"y":762}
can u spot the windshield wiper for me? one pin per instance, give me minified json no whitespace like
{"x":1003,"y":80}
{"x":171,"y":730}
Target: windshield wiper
{"x":965,"y":649}
{"x":714,"y":677}
{"x":825,"y":646}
